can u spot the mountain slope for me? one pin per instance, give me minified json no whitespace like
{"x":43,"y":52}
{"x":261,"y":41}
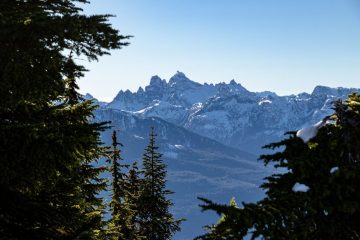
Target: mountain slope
{"x":201,"y":129}
{"x":228,"y":112}
{"x":197,"y":166}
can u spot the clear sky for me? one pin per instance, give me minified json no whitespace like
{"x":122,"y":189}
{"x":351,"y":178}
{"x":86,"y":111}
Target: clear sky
{"x":285,"y":46}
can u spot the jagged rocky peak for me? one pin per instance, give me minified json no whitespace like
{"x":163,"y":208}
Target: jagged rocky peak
{"x":322,"y":90}
{"x":156,"y":84}
{"x":181,"y":79}
{"x":128,"y":93}
{"x":178,"y":77}
{"x":303,"y":95}
{"x":156,"y":80}
{"x":328,"y":91}
{"x":232,"y":88}
{"x":140,"y":90}
{"x":119,"y":95}
{"x":88,"y":96}
{"x":237,"y":86}
{"x":123,"y":94}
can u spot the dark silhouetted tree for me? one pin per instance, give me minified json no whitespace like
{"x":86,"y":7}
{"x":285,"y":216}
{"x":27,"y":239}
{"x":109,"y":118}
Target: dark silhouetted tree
{"x":117,"y":225}
{"x":132,"y":206}
{"x":48,"y":184}
{"x":317,"y":197}
{"x":156,"y":221}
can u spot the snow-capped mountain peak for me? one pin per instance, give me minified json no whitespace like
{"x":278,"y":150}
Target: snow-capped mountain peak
{"x":231,"y":88}
{"x":181,"y":81}
{"x":199,"y":124}
{"x":228,"y":112}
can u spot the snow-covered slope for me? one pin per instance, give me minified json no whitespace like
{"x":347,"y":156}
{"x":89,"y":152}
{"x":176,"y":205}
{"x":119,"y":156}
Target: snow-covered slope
{"x":228,"y":113}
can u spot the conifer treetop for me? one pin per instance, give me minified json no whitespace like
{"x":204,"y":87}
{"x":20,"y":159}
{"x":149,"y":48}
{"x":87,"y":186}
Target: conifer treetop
{"x":316,"y":194}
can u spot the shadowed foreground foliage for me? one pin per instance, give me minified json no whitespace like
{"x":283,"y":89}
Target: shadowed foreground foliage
{"x":48,"y":185}
{"x":328,"y":164}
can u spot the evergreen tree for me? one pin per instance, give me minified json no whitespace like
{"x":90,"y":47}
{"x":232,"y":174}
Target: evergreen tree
{"x":48,"y":184}
{"x":217,"y":231}
{"x":156,"y":222}
{"x":132,"y":188}
{"x":317,"y":198}
{"x":117,"y":223}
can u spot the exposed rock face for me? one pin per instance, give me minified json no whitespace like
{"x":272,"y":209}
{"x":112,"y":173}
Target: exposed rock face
{"x":203,"y":130}
{"x":228,"y":113}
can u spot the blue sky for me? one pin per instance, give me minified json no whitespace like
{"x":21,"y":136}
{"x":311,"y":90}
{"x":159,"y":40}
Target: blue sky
{"x":285,"y":46}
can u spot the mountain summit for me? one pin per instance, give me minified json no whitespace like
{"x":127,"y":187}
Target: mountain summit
{"x":211,"y":134}
{"x":228,"y":112}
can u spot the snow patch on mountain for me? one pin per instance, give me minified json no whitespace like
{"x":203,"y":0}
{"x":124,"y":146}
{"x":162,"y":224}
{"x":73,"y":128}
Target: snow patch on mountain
{"x":264,"y":101}
{"x":201,"y":129}
{"x":228,"y":112}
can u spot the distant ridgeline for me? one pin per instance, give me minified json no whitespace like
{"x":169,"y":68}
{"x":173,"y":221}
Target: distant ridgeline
{"x":227,"y":113}
{"x":211,"y":135}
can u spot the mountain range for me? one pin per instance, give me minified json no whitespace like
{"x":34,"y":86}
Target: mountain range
{"x":210,"y":134}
